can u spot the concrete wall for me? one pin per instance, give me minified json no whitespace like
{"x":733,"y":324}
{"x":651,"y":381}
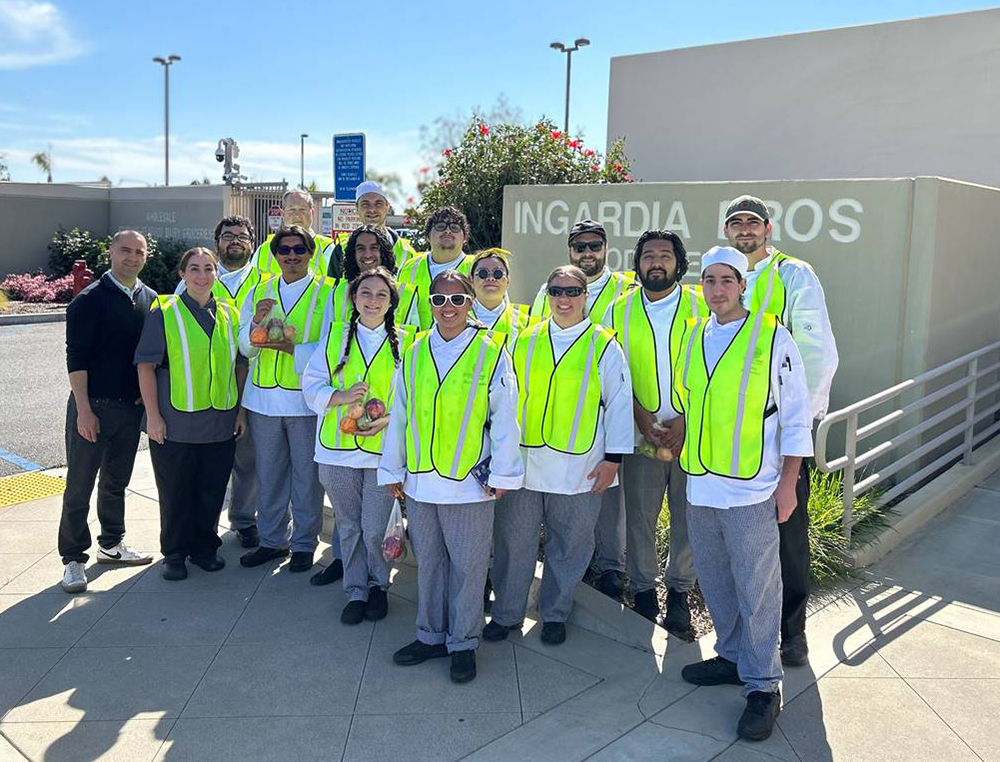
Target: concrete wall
{"x":31,"y":212}
{"x":183,"y":212}
{"x":900,"y":99}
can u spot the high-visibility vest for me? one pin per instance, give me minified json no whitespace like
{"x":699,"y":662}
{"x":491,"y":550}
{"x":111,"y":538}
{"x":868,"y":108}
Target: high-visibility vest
{"x":417,"y":271}
{"x":342,"y":305}
{"x":202,"y":368}
{"x":446,"y":417}
{"x":617,"y":284}
{"x":402,"y":248}
{"x":378,"y":374}
{"x":271,"y":368}
{"x":634,"y":333}
{"x":724,"y":410}
{"x":265,"y":261}
{"x":511,"y":322}
{"x":222,"y":291}
{"x":768,"y":293}
{"x":559,"y":401}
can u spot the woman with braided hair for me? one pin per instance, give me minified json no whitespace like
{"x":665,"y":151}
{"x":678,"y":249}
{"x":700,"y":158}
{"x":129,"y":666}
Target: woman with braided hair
{"x":352,"y":372}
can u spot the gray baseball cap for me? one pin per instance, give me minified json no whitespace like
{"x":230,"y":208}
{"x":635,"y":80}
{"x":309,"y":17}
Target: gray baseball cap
{"x":747,"y":205}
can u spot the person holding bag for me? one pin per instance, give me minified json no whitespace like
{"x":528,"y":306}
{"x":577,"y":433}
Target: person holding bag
{"x":451,"y":448}
{"x":348,"y":383}
{"x":191,"y":378}
{"x":575,"y":414}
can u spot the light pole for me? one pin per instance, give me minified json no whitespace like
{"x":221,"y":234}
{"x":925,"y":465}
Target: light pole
{"x":302,"y":159}
{"x":167,"y":63}
{"x":578,"y":43}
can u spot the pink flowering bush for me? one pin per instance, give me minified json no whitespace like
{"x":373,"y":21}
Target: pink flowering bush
{"x":38,"y":287}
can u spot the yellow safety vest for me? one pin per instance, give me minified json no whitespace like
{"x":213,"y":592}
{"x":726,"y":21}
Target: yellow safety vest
{"x":378,"y":374}
{"x":559,"y":402}
{"x":511,"y":322}
{"x":617,"y":284}
{"x":768,"y":290}
{"x":417,"y":271}
{"x":342,"y":305}
{"x":202,"y":368}
{"x":266,"y":262}
{"x":403,"y":249}
{"x":446,"y":417}
{"x":724,"y":410}
{"x":634,"y":333}
{"x":271,"y":368}
{"x":250,"y":280}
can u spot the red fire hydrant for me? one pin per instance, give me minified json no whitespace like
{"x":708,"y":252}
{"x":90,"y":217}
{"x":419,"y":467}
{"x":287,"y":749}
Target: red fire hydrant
{"x":83,"y":276}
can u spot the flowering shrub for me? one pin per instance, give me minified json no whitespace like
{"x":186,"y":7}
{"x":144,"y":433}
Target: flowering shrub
{"x":472,"y":175}
{"x":38,"y":288}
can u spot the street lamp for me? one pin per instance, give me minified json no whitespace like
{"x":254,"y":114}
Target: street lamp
{"x":302,"y":159}
{"x":167,"y":63}
{"x":578,"y":43}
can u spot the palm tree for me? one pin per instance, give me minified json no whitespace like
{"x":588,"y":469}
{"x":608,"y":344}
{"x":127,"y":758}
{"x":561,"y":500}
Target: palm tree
{"x":43,"y":161}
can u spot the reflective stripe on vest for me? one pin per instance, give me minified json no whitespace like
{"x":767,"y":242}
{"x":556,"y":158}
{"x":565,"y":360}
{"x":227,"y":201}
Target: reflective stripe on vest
{"x":618,"y":283}
{"x":266,"y":262}
{"x":249,"y":282}
{"x":724,"y":434}
{"x":378,"y":374}
{"x":446,"y":418}
{"x":202,"y":369}
{"x":511,"y":322}
{"x":417,"y":271}
{"x":634,"y":333}
{"x":272,"y":368}
{"x":559,"y":401}
{"x":768,"y":290}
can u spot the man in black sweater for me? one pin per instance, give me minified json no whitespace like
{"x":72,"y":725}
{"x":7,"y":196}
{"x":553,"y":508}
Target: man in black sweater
{"x":103,"y":325}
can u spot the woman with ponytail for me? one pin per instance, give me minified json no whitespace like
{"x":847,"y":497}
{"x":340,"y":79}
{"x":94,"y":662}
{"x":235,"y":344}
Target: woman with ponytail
{"x":356,"y":365}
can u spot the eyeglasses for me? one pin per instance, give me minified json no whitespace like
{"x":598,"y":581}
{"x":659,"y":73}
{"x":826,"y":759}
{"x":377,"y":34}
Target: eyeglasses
{"x":482,"y":273}
{"x":457,"y":300}
{"x":579,"y":248}
{"x":230,"y":237}
{"x":451,"y":227}
{"x":298,"y":250}
{"x":571,"y":291}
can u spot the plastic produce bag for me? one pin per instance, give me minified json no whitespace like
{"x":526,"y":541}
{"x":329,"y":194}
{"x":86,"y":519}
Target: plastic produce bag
{"x":394,"y":542}
{"x":273,"y":329}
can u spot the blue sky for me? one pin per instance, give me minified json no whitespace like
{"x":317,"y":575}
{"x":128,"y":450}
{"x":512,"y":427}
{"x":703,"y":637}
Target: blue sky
{"x":79,"y":76}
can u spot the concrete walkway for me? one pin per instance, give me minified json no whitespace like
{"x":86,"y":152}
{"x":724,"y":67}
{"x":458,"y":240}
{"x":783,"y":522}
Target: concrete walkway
{"x":253,"y":664}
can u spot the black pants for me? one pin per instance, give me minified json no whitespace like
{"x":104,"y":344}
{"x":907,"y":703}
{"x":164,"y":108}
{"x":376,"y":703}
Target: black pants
{"x":191,"y":480}
{"x":794,"y":551}
{"x":113,"y":455}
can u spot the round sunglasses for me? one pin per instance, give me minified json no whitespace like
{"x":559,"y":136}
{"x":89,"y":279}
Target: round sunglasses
{"x":482,"y":273}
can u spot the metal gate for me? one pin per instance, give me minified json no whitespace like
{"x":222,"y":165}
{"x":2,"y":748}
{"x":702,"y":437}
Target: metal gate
{"x":252,"y":200}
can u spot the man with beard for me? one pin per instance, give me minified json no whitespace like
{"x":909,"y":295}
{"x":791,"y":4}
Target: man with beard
{"x":649,"y":323}
{"x":787,"y":287}
{"x":297,"y":209}
{"x":588,"y":250}
{"x":373,"y":209}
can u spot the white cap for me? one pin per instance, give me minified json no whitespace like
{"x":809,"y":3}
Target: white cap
{"x":725,"y":255}
{"x":370,"y":186}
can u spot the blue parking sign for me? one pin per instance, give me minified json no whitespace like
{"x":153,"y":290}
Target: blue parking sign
{"x":348,"y":164}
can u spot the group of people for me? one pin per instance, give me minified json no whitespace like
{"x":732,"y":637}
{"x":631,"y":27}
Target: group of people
{"x":359,"y":367}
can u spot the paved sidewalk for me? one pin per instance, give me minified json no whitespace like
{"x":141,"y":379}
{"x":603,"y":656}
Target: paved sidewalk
{"x":250,"y":664}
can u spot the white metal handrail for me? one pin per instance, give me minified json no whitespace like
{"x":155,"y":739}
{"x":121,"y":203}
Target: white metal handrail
{"x":876,"y":461}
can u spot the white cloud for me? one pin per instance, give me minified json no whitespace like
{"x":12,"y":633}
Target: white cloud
{"x":35,"y":34}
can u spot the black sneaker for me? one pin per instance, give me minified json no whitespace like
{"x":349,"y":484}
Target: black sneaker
{"x":261,"y":556}
{"x":678,"y":618}
{"x":758,"y":718}
{"x":645,"y":604}
{"x":331,"y":573}
{"x":494,"y":632}
{"x":210,"y":563}
{"x":378,"y":604}
{"x":612,"y":584}
{"x":174,"y":569}
{"x":353,"y":613}
{"x":418,"y":652}
{"x":795,"y":651}
{"x":302,"y":561}
{"x":716,"y":671}
{"x":249,"y":537}
{"x":463,"y":666}
{"x":553,"y":633}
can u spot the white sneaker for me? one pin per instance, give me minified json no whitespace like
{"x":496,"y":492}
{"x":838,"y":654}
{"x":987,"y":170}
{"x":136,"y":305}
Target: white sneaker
{"x":122,"y":554}
{"x":74,"y":578}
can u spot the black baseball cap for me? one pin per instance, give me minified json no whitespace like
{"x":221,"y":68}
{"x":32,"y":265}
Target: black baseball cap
{"x":587,"y":226}
{"x":747,"y":205}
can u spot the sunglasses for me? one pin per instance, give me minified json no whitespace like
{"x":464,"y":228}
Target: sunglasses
{"x":482,"y":273}
{"x":579,"y":248}
{"x":298,"y":249}
{"x":571,"y":291}
{"x":453,"y":227}
{"x":457,"y":300}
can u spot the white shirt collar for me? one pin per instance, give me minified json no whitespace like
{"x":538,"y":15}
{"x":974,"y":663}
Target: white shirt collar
{"x":771,"y":251}
{"x":128,"y":292}
{"x":485,"y":314}
{"x":573,"y":330}
{"x":598,"y":284}
{"x":379,"y":332}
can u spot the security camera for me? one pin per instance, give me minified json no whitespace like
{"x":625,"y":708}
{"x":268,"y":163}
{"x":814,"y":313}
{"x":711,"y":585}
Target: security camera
{"x":220,"y":152}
